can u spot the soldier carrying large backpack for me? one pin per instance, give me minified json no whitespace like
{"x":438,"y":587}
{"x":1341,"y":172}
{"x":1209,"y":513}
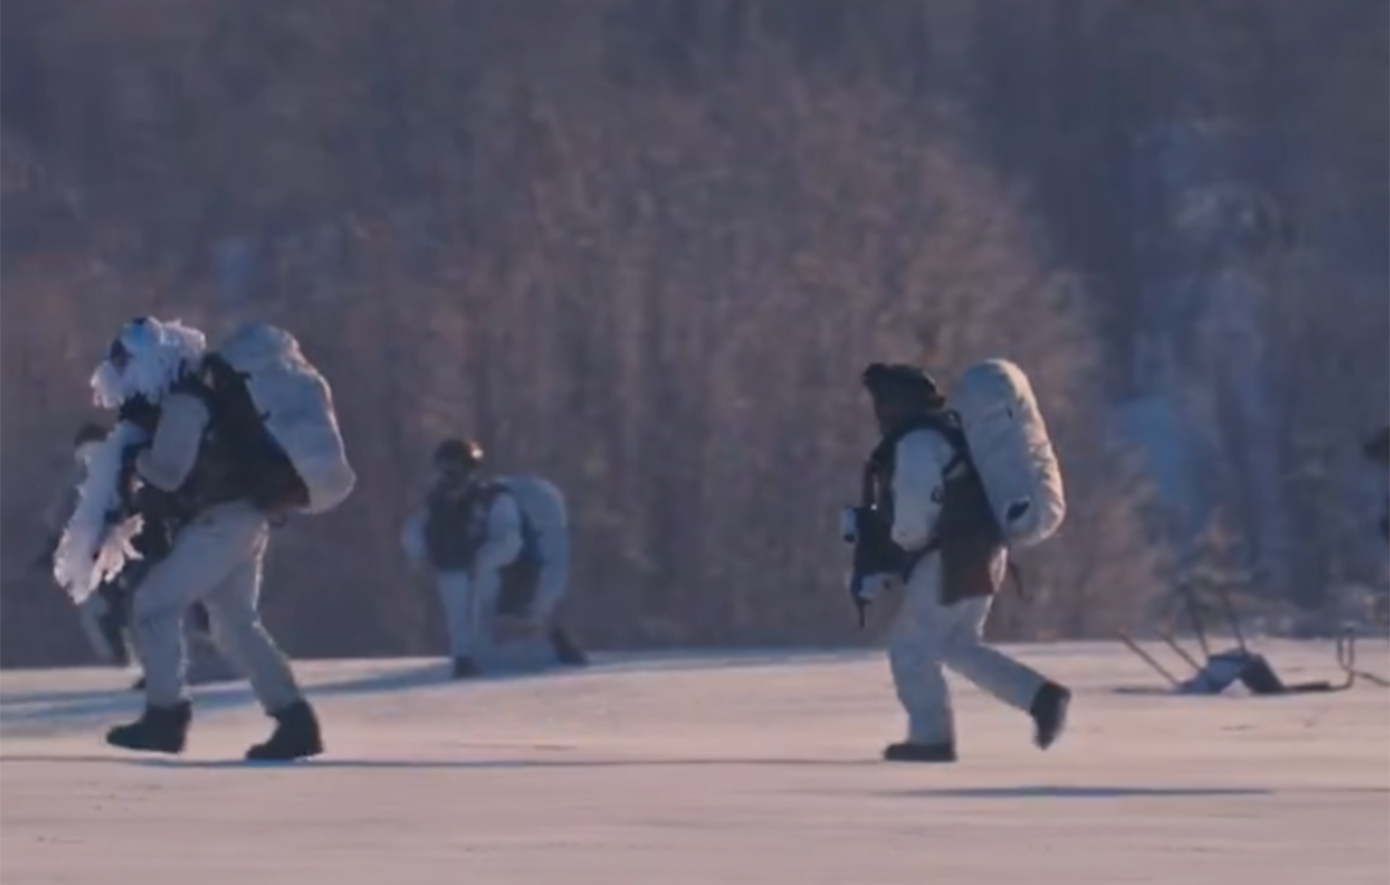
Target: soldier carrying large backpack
{"x":947,"y":491}
{"x":210,"y":448}
{"x":499,"y":546}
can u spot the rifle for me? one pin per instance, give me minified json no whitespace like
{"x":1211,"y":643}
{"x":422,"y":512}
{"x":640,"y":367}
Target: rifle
{"x":868,"y":528}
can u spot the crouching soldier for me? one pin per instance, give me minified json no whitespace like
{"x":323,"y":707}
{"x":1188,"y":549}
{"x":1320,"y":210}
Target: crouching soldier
{"x":223,"y":441}
{"x":499,"y":547}
{"x":928,"y":520}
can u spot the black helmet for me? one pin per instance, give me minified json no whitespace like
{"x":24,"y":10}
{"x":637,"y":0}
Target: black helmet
{"x":458,"y":453}
{"x":890,"y":380}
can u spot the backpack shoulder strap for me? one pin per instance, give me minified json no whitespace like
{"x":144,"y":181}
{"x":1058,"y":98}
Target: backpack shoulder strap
{"x":484,"y":493}
{"x":198,"y":383}
{"x":879,"y":466}
{"x":487,"y":490}
{"x":947,"y":424}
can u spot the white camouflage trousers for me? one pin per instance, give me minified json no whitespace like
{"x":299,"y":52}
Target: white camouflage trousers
{"x":928,"y":636}
{"x":469,"y":609}
{"x":217,"y":559}
{"x":464,"y":613}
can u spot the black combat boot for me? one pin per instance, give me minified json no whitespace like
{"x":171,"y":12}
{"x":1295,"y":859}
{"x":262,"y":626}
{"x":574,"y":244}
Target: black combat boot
{"x":566,"y":651}
{"x":1049,"y":712}
{"x":296,"y":736}
{"x":910,"y":752}
{"x":465,"y":668}
{"x":158,"y":730}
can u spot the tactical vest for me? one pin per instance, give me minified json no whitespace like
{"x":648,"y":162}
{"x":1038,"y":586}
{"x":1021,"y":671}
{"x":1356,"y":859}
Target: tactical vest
{"x":238,"y":458}
{"x":456,"y":523}
{"x":966,"y":533}
{"x":456,"y":529}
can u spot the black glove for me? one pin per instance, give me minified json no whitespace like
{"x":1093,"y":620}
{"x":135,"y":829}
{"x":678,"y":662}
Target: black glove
{"x":155,"y":504}
{"x":141,"y":412}
{"x":875,"y":554}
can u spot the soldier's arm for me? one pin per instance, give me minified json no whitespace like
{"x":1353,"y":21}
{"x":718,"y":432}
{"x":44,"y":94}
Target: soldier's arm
{"x":917,"y":488}
{"x":503,"y":542}
{"x":174,"y":448}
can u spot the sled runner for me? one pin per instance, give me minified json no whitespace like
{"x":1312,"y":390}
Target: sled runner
{"x":1222,"y":670}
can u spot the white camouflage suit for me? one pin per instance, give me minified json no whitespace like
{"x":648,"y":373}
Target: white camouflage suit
{"x":217,"y":558}
{"x":470,"y":596}
{"x":927,"y":635}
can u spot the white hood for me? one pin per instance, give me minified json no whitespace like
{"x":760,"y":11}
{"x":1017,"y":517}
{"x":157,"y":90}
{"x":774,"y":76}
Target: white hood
{"x":160,"y":352}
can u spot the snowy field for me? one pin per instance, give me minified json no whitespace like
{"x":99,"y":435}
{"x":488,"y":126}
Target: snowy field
{"x":676,"y":769}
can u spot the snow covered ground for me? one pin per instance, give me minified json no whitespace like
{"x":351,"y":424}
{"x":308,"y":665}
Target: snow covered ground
{"x":676,"y":769}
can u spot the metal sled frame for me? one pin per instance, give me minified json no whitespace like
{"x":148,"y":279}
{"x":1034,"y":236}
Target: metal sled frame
{"x":1239,"y":664}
